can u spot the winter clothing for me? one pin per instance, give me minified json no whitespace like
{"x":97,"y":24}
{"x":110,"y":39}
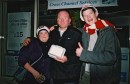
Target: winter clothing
{"x":31,"y":53}
{"x":105,"y":59}
{"x":42,"y":28}
{"x":100,"y":24}
{"x":70,"y":70}
{"x":85,"y":7}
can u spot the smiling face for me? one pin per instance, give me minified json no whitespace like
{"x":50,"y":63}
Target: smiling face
{"x":43,"y":36}
{"x":63,"y":19}
{"x":89,"y":16}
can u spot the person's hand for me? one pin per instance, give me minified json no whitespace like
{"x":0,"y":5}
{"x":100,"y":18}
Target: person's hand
{"x":26,"y":41}
{"x":62,"y":59}
{"x":36,"y":75}
{"x":52,"y":27}
{"x":79,"y":50}
{"x":39,"y":77}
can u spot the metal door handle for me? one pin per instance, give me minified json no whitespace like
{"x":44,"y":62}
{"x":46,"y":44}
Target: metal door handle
{"x":2,"y":37}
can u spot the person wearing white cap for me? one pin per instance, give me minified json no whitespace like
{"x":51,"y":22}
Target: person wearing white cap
{"x":37,"y":48}
{"x":101,"y":50}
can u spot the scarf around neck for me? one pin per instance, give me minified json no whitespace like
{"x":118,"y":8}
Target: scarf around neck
{"x":99,"y":24}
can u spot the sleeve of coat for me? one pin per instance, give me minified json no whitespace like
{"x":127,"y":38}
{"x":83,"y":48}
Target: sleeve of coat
{"x":24,"y":54}
{"x":105,"y":55}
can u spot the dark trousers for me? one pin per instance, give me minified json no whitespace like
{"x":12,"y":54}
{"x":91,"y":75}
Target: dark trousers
{"x":28,"y":81}
{"x":66,"y":81}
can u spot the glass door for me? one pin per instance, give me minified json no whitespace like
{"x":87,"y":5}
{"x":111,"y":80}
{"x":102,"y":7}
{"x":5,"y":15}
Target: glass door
{"x":16,"y":23}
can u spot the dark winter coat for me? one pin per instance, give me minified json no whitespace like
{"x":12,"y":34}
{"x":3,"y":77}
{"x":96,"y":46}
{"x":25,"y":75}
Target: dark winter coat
{"x":69,"y":70}
{"x":105,"y":59}
{"x":31,"y":53}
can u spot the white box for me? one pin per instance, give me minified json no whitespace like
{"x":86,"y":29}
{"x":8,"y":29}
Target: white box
{"x":56,"y":50}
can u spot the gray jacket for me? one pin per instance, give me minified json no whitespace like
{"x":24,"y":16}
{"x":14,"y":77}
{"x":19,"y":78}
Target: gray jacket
{"x":105,"y":59}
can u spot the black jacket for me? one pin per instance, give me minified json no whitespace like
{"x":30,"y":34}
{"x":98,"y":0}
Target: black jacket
{"x":69,"y":40}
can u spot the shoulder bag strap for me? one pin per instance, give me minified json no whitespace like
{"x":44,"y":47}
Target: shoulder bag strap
{"x":37,"y":60}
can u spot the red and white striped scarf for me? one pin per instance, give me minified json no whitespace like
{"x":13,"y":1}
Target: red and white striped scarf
{"x":100,"y":24}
